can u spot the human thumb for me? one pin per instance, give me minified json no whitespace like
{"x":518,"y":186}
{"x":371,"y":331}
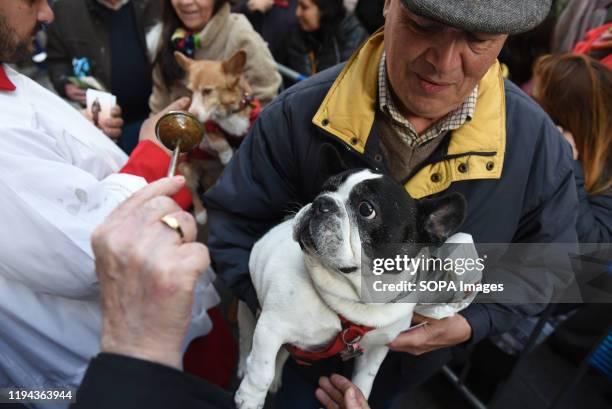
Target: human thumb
{"x":179,"y":105}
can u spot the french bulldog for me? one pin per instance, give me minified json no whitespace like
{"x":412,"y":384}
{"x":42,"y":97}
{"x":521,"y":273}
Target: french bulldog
{"x":307,"y":275}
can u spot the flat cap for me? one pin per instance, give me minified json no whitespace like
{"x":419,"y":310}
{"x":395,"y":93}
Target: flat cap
{"x":490,"y":16}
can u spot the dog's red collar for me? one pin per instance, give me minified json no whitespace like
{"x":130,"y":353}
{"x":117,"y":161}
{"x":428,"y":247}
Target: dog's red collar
{"x":247,"y":101}
{"x":212,"y":127}
{"x":346,"y":340}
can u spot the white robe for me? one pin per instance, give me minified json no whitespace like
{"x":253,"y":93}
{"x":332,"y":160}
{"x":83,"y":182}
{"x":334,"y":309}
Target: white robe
{"x":58,"y":181}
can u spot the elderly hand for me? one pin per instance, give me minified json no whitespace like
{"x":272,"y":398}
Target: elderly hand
{"x":338,"y":392}
{"x":435,"y":334}
{"x":570,"y":139}
{"x":260,"y":5}
{"x":112,"y":127}
{"x":147,"y":130}
{"x":147,"y":275}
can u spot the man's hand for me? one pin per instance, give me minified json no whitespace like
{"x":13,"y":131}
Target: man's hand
{"x":434,"y":335}
{"x":147,"y":130}
{"x":338,"y":392}
{"x":74,"y":93}
{"x":260,"y":5}
{"x":112,"y":127}
{"x":147,"y":275}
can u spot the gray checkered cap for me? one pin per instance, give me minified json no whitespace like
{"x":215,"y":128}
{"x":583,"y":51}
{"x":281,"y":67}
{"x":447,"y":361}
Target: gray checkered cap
{"x":490,"y":16}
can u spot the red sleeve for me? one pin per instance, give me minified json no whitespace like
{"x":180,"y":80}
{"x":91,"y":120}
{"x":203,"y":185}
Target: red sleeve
{"x":151,"y":162}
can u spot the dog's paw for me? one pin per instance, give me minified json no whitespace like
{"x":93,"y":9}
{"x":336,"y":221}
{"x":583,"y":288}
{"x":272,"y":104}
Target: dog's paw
{"x":244,"y":402}
{"x":226,"y":156}
{"x":202,"y":217}
{"x":245,"y":405}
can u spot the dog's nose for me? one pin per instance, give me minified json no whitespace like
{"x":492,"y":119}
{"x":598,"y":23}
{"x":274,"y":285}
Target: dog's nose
{"x":324,"y":205}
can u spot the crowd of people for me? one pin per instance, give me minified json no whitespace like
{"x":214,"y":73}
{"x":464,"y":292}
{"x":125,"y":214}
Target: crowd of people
{"x":102,"y":279}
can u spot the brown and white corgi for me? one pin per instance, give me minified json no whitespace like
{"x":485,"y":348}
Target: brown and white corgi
{"x":221,"y":100}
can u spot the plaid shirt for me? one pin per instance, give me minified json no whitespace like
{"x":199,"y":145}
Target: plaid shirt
{"x":404,"y":128}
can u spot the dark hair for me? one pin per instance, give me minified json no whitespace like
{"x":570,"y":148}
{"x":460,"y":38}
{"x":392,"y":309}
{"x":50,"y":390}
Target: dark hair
{"x":576,"y":91}
{"x":170,"y":69}
{"x":332,"y":13}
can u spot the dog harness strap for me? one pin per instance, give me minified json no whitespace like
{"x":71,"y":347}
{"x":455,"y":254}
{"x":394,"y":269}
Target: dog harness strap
{"x":347,"y":339}
{"x":247,"y":101}
{"x":211,"y":127}
{"x":353,"y":331}
{"x":256,"y":105}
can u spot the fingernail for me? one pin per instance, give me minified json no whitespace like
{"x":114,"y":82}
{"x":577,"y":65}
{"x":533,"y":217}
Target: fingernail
{"x":179,"y":179}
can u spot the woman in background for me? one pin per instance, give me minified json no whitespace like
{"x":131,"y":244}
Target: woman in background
{"x":576,"y":91}
{"x":206,"y":30}
{"x":327,"y":35}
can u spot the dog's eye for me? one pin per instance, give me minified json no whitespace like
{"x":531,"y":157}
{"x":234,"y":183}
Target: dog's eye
{"x":367,"y":210}
{"x":207,"y":91}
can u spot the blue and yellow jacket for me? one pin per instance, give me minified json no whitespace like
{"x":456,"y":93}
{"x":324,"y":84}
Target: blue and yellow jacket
{"x":508,"y":161}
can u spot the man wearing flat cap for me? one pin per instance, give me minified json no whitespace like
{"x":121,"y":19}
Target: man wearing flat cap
{"x":424,"y":101}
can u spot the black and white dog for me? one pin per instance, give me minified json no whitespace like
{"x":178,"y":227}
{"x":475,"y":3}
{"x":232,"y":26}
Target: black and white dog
{"x":307,"y":274}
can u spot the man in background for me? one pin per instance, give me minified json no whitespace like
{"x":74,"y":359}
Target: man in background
{"x":110,"y":34}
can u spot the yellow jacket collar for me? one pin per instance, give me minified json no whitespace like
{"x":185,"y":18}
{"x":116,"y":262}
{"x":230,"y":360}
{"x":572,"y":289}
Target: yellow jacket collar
{"x":348,"y":109}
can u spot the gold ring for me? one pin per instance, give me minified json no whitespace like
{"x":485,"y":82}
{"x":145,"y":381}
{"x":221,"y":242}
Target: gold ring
{"x":171,"y":222}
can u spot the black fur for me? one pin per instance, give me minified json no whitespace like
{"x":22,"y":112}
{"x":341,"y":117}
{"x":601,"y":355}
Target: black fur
{"x":399,"y":224}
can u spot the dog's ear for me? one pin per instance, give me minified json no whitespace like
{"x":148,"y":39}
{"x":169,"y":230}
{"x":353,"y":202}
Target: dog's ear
{"x":183,"y":61}
{"x":439,"y":218}
{"x":235,"y":64}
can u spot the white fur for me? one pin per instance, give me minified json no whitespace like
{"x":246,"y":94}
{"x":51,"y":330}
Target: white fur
{"x":226,"y":156}
{"x":199,"y":108}
{"x":235,"y":124}
{"x":296,"y":312}
{"x":301,"y":301}
{"x":349,"y":184}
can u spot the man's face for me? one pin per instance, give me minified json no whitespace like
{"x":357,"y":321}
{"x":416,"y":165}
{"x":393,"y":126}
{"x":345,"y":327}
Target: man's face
{"x":433,"y":68}
{"x":19,"y":22}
